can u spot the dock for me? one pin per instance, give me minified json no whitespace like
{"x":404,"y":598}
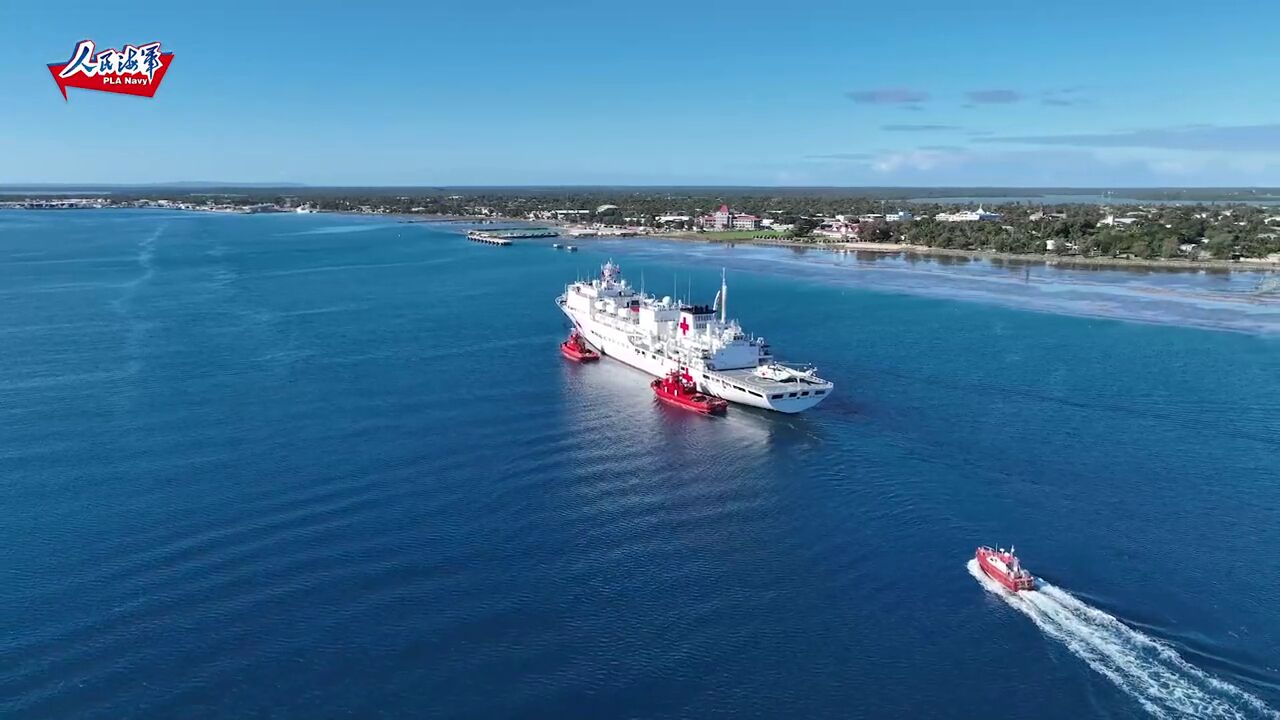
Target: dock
{"x":484,"y":237}
{"x":513,"y":233}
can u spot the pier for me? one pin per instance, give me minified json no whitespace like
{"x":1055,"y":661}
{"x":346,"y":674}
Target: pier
{"x":484,"y":237}
{"x":513,"y":233}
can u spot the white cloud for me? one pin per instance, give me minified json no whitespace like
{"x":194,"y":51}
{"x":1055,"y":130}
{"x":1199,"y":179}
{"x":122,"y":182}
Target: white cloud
{"x":923,"y":160}
{"x":1050,"y":167}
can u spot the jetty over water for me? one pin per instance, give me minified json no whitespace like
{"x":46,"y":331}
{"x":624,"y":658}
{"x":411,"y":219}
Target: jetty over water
{"x":520,"y":232}
{"x":504,"y":235}
{"x":486,"y":238}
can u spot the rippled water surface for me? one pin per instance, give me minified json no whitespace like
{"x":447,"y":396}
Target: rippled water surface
{"x":318,"y":466}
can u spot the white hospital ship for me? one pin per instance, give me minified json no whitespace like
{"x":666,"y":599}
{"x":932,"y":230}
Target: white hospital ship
{"x":661,"y":335}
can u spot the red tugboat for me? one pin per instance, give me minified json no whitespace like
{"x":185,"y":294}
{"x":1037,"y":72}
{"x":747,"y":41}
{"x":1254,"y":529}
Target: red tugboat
{"x":576,"y":349}
{"x":678,"y":389}
{"x":1003,"y":567}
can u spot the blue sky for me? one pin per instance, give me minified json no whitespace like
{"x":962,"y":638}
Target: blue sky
{"x":744,"y":93}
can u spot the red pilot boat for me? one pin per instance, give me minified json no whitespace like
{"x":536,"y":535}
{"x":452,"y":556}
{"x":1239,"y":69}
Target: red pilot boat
{"x":575,"y":348}
{"x":1003,"y":567}
{"x":678,"y":389}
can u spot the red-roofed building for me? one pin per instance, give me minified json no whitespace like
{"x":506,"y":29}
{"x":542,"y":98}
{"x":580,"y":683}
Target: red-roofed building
{"x":726,"y":219}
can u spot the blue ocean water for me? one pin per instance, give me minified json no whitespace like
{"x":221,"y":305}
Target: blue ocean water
{"x":319,"y":466}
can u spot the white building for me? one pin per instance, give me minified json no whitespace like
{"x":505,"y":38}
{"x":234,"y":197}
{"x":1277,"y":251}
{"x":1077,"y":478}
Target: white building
{"x":1112,"y":220}
{"x":967,"y":216}
{"x":1042,"y":215}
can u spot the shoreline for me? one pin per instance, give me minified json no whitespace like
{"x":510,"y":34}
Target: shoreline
{"x":1104,"y":263}
{"x":1259,"y":266}
{"x":1069,"y":261}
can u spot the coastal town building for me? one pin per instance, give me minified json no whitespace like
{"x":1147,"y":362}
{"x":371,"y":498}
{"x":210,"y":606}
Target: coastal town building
{"x":673,"y":218}
{"x":978,"y":215}
{"x":726,"y":219}
{"x":838,"y":229}
{"x":1112,"y":220}
{"x":63,"y":204}
{"x":1042,"y":215}
{"x":899,"y":216}
{"x":1193,"y":251}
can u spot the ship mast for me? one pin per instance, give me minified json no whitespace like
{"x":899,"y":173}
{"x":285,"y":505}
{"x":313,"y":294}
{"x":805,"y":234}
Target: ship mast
{"x":724,"y":292}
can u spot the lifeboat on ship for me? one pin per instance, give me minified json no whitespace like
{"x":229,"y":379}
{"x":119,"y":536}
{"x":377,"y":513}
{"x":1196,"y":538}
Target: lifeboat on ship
{"x":678,"y":389}
{"x":577,"y":350}
{"x":1002,"y":566}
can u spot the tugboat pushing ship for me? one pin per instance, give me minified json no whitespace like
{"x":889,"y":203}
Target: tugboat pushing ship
{"x":699,"y":343}
{"x":576,"y":349}
{"x":678,"y":389}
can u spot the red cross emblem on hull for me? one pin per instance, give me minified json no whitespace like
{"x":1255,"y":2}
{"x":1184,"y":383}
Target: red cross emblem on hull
{"x":684,"y":326}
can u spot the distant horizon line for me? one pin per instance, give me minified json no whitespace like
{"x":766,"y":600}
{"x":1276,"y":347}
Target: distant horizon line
{"x":1102,"y":189}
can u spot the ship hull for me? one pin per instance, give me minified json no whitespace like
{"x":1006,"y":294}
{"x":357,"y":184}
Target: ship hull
{"x":615,"y":344}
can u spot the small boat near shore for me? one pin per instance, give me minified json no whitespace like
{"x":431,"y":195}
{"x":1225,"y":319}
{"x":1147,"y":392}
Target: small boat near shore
{"x":677,"y":389}
{"x":1002,"y":566}
{"x":577,"y":350}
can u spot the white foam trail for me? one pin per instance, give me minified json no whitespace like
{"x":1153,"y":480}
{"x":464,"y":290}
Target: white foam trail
{"x":1145,"y":668}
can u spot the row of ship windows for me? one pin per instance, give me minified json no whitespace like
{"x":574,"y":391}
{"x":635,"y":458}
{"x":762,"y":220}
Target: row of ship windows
{"x":779,"y":396}
{"x":735,"y":387}
{"x":646,"y":354}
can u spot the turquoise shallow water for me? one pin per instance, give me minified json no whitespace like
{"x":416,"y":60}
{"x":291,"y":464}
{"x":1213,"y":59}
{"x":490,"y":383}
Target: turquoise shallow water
{"x":310,"y":466}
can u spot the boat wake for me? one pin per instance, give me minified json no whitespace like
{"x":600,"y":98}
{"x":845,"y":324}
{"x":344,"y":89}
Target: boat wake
{"x":1145,"y":668}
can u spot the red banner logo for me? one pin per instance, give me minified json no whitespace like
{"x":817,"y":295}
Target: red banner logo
{"x":135,"y":70}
